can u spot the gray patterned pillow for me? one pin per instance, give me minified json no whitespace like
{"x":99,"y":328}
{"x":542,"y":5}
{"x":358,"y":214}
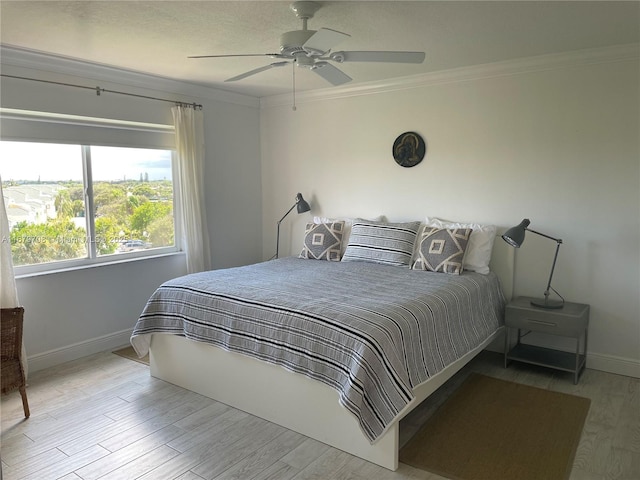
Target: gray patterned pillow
{"x":442,"y":250}
{"x":322,"y":241}
{"x":378,"y":242}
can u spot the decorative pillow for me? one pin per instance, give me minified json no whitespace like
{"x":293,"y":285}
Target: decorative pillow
{"x":442,"y":250}
{"x":322,"y":241}
{"x":387,"y":243}
{"x":480,"y":245}
{"x":348,"y":222}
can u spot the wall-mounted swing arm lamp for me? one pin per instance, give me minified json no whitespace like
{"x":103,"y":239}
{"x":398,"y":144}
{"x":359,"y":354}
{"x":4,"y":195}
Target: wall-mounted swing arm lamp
{"x":515,"y":237}
{"x":302,"y":206}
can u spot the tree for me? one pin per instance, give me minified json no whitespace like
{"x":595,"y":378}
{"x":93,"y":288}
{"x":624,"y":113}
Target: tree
{"x":54,"y":240}
{"x":164,"y":190}
{"x":107,"y":232}
{"x":161,"y":231}
{"x":69,"y":202}
{"x":110,"y":201}
{"x":63,"y":204}
{"x":143,"y":190}
{"x":106,"y":194}
{"x":148,"y":212}
{"x":76,"y":191}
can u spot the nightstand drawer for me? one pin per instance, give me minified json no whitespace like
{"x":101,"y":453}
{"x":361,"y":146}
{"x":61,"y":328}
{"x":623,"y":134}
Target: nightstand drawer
{"x":569,"y":321}
{"x":567,"y":327}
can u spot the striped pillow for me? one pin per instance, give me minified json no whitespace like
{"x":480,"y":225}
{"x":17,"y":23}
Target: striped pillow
{"x":378,"y":242}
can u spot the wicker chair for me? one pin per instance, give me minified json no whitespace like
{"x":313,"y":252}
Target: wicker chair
{"x":12,"y":372}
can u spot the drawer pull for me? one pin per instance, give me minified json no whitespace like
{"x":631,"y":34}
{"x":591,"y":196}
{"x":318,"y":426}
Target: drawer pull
{"x":540,"y":322}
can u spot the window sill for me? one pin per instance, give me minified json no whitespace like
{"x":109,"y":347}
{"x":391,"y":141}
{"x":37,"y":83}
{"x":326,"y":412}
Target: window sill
{"x":97,"y":264}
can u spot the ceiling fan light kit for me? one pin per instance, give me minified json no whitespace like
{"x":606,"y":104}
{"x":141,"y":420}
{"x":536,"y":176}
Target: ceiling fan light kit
{"x":312,"y":49}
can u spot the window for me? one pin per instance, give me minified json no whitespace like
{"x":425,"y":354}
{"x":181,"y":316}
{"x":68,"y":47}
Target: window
{"x":82,"y":204}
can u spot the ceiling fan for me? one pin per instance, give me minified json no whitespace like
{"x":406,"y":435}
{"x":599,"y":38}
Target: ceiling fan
{"x":312,"y":49}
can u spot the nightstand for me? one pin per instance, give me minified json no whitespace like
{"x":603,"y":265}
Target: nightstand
{"x":572,"y":320}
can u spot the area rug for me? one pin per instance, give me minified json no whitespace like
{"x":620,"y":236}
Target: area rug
{"x":130,"y":353}
{"x":491,"y":429}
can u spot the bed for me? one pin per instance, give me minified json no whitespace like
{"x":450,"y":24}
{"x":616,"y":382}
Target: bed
{"x":337,"y":351}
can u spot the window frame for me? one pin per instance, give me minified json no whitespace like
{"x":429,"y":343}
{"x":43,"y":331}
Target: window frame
{"x":92,"y":259}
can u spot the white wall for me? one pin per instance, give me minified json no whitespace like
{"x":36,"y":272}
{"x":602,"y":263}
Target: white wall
{"x":75,"y":313}
{"x":72,"y":314}
{"x":553,"y":139}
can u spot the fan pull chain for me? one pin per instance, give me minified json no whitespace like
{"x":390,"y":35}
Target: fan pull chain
{"x":294,"y":86}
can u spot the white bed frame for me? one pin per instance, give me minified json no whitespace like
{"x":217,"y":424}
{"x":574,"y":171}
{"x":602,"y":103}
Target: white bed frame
{"x":293,"y":400}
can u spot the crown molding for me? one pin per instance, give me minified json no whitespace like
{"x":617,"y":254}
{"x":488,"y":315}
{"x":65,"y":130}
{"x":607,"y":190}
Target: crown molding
{"x":24,"y":58}
{"x":617,"y":53}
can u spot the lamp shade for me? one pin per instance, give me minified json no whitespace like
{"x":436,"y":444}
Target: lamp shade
{"x":515,"y":235}
{"x":302,"y":204}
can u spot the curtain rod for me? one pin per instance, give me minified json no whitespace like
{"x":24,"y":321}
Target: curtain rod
{"x":99,"y":90}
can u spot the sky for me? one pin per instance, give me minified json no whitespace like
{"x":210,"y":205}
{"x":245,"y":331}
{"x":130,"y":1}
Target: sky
{"x":54,"y":162}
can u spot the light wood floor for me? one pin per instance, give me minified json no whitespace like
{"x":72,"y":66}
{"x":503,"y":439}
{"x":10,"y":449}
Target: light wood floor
{"x":104,"y":417}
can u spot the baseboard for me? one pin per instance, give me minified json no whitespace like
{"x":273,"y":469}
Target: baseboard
{"x":608,"y":363}
{"x":55,"y":357}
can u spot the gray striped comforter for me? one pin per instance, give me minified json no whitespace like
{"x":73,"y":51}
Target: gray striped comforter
{"x":373,"y":332}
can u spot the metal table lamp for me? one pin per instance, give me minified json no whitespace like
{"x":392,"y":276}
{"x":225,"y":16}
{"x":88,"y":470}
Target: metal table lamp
{"x":302,"y":206}
{"x":515,"y":237}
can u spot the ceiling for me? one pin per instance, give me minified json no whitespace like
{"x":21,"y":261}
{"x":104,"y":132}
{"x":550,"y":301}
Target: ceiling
{"x":157,"y":36}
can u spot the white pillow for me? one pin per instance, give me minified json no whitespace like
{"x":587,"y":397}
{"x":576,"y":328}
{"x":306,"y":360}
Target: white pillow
{"x":480,"y":246}
{"x":348,"y":223}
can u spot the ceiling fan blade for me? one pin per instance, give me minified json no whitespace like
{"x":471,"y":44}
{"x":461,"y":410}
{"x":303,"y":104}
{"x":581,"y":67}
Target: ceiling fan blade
{"x":323,"y":40}
{"x":391,"y":57}
{"x":331,"y":74}
{"x":257,"y":70}
{"x":272,"y":55}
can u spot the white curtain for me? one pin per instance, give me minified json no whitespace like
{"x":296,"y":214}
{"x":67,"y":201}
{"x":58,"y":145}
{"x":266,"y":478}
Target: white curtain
{"x":9,"y":293}
{"x":190,"y":149}
{"x":8,"y":290}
